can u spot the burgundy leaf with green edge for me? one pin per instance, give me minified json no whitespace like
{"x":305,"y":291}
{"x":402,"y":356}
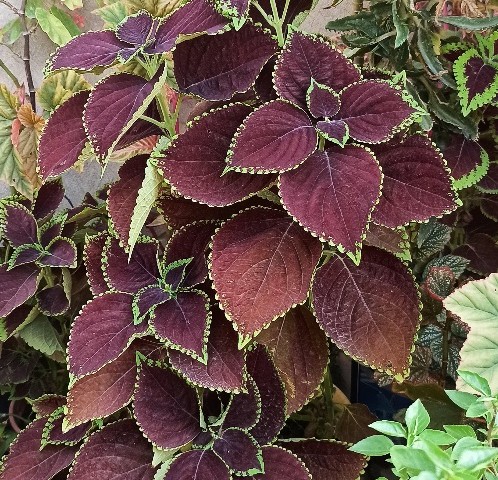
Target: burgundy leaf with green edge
{"x":489,"y":183}
{"x":45,"y":405}
{"x":48,"y":198}
{"x":294,"y":8}
{"x":335,"y":131}
{"x":19,"y":225}
{"x":18,"y":286}
{"x":482,"y":251}
{"x":326,"y":459}
{"x":10,"y":323}
{"x":139,"y":271}
{"x":263,"y":87}
{"x":235,"y":60}
{"x":183,"y":322}
{"x":103,"y":393}
{"x":373,"y":110}
{"x":194,"y":163}
{"x":196,"y":16}
{"x":166,"y":408}
{"x":489,"y":207}
{"x":123,"y":193}
{"x":274,"y":260}
{"x":52,"y":300}
{"x":63,"y":137}
{"x":198,"y":465}
{"x":322,"y":101}
{"x":244,"y":408}
{"x":51,"y":229}
{"x":281,"y":464}
{"x":26,"y":461}
{"x":23,"y":255}
{"x":60,"y":252}
{"x":307,"y":57}
{"x":276,"y":137}
{"x":378,"y":296}
{"x":101,"y":332}
{"x":262,"y":370}
{"x":118,"y":450}
{"x":299,"y":349}
{"x":334,"y":193}
{"x":416,"y":184}
{"x":147,"y":298}
{"x":239,"y":450}
{"x":439,"y":282}
{"x":53,"y":432}
{"x":392,"y":240}
{"x":94,"y":248}
{"x":137,"y":29}
{"x":225,"y":362}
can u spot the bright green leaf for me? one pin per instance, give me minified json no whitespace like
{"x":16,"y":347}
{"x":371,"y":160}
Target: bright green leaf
{"x":477,"y":458}
{"x":437,"y":437}
{"x":475,"y":381}
{"x":462,"y":399}
{"x":42,"y":336}
{"x":374,"y":446}
{"x":387,"y":427}
{"x":460,"y":431}
{"x":411,"y":459}
{"x":416,"y":417}
{"x":52,"y":26}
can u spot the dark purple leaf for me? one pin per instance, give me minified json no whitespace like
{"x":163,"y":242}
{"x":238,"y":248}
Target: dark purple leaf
{"x":239,"y":450}
{"x":489,"y":207}
{"x":327,"y":459}
{"x":489,"y":183}
{"x":196,"y":16}
{"x":140,"y":271}
{"x":19,"y":225}
{"x":53,"y":433}
{"x":15,"y":366}
{"x":148,"y":298}
{"x":273,"y":259}
{"x":203,"y":439}
{"x":225,"y":362}
{"x":26,"y":461}
{"x":52,"y":300}
{"x":244,"y":408}
{"x":23,"y":255}
{"x":295,"y":7}
{"x":195,"y":161}
{"x":217,"y":67}
{"x":336,"y":131}
{"x":299,"y":349}
{"x":60,"y":252}
{"x":263,"y":87}
{"x":198,"y":465}
{"x":166,"y":408}
{"x":13,"y":321}
{"x":50,"y":230}
{"x":101,"y":332}
{"x":117,"y":451}
{"x":416,"y":184}
{"x":378,"y":296}
{"x":94,"y":248}
{"x":183,"y":322}
{"x":63,"y":137}
{"x":482,"y":251}
{"x":307,"y":57}
{"x":322,"y":101}
{"x":276,"y":137}
{"x":45,"y":405}
{"x":48,"y":198}
{"x":18,"y":286}
{"x":137,"y":29}
{"x":272,"y":394}
{"x":334,"y":193}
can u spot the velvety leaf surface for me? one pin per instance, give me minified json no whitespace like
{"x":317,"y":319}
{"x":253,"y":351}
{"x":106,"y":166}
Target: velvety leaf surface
{"x":225,"y":362}
{"x":53,"y":300}
{"x":137,"y":29}
{"x":333,"y":193}
{"x":416,"y":185}
{"x":45,"y":405}
{"x":61,"y":252}
{"x":101,"y":333}
{"x":55,"y":435}
{"x":275,"y":137}
{"x":307,"y":57}
{"x":23,"y":255}
{"x":63,"y":137}
{"x":244,"y":408}
{"x":238,"y":450}
{"x":19,"y":225}
{"x":274,"y":260}
{"x":49,"y":197}
{"x":299,"y":349}
{"x":25,"y":460}
{"x":149,"y":297}
{"x":50,"y":231}
{"x":489,"y":183}
{"x":166,"y":407}
{"x":272,"y":394}
{"x":183,"y":322}
{"x":327,"y":459}
{"x":94,"y":247}
{"x":195,"y":161}
{"x":18,"y":285}
{"x":378,"y":296}
{"x":391,"y":240}
{"x":482,"y":251}
{"x":198,"y":465}
{"x":117,"y":451}
{"x":336,"y":131}
{"x":322,"y":101}
{"x":235,"y":60}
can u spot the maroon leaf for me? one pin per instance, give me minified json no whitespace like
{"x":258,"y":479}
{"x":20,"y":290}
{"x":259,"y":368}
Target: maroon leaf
{"x":225,"y":362}
{"x":273,"y":260}
{"x":439,"y":282}
{"x":334,"y":193}
{"x":378,"y":296}
{"x":276,"y":137}
{"x":52,"y":300}
{"x":19,"y":225}
{"x":166,"y":408}
{"x":489,"y":183}
{"x":235,"y":61}
{"x":147,"y":298}
{"x":299,"y":349}
{"x":123,"y":194}
{"x":23,"y":255}
{"x":54,"y":434}
{"x":336,"y":131}
{"x":45,"y":405}
{"x":137,"y":29}
{"x":198,"y":465}
{"x":416,"y":184}
{"x":101,"y":332}
{"x":60,"y":252}
{"x":482,"y":251}
{"x":48,"y":198}
{"x":322,"y":101}
{"x":50,"y":230}
{"x":391,"y":240}
{"x":117,"y":451}
{"x":239,"y":451}
{"x":272,"y":394}
{"x":294,"y":8}
{"x":307,"y":57}
{"x":183,"y":322}
{"x":263,"y":87}
{"x":63,"y":137}
{"x":18,"y":286}
{"x":194,"y":163}
{"x":13,"y":321}
{"x":94,"y":248}
{"x":326,"y":459}
{"x":373,"y":110}
{"x":244,"y":408}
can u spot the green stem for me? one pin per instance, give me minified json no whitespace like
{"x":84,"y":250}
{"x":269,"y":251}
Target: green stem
{"x":260,"y":9}
{"x":8,"y":71}
{"x":166,"y":117}
{"x":277,"y":23}
{"x":491,"y":426}
{"x":445,"y":353}
{"x":153,"y":121}
{"x":47,"y":275}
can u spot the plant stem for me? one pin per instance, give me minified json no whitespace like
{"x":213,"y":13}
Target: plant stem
{"x":8,"y":71}
{"x":153,"y":121}
{"x":445,"y":353}
{"x":26,"y":57}
{"x":277,"y":23}
{"x":491,"y":426}
{"x":10,"y":6}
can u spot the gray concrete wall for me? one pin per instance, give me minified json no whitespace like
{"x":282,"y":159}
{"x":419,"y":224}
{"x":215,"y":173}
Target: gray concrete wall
{"x":41,"y":47}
